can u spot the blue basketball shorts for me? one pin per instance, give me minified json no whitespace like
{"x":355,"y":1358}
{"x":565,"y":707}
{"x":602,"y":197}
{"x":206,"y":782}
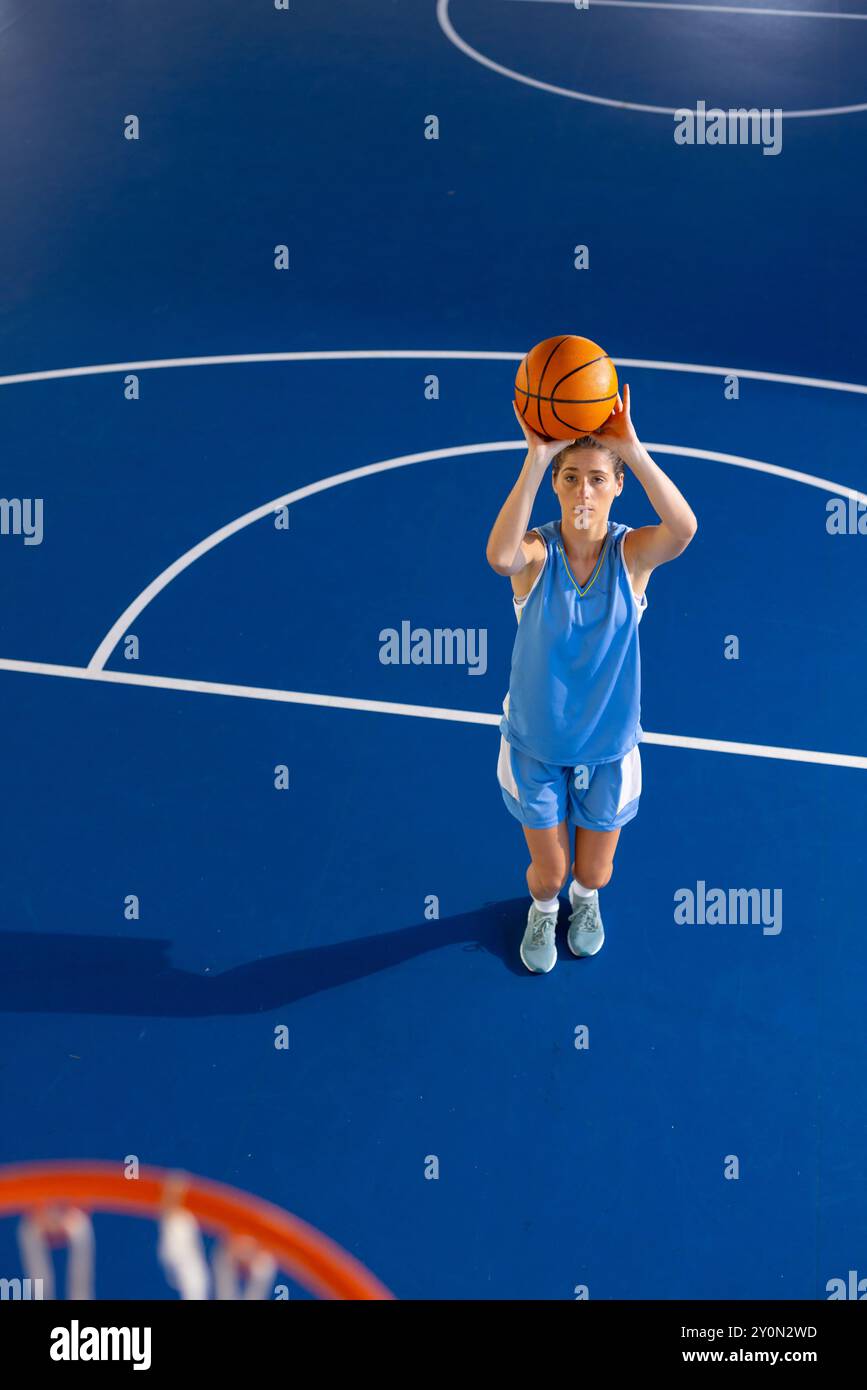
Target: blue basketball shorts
{"x":600,"y":797}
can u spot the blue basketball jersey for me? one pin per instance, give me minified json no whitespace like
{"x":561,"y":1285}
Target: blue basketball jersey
{"x":575,"y":686}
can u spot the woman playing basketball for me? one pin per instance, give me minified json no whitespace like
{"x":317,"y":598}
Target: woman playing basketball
{"x":571,"y":720}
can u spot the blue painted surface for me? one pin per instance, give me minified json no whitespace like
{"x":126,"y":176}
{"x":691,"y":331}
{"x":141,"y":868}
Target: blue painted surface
{"x":411,"y":1037}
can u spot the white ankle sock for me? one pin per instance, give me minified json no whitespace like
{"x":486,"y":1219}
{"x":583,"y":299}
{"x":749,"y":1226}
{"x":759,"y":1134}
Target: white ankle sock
{"x":548,"y":907}
{"x":577,"y":890}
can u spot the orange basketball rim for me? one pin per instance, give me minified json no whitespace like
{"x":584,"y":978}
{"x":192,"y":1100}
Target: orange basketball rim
{"x":312,"y":1259}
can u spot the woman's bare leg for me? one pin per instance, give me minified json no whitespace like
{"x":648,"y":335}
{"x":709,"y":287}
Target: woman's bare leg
{"x":593,"y":864}
{"x":549,"y":852}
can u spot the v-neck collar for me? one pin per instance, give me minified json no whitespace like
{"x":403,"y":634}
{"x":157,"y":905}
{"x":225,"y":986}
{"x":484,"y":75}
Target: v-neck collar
{"x":598,"y":566}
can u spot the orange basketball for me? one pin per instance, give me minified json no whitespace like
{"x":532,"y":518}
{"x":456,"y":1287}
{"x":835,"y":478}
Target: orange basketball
{"x":565,"y":387}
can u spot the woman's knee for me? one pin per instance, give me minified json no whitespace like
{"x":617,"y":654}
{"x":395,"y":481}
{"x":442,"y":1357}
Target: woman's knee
{"x":546,"y":884}
{"x":549,"y":873}
{"x":593,"y":875}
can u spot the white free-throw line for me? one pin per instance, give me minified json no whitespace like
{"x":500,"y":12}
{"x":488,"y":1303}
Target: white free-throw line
{"x":711,"y":9}
{"x":416,"y":354}
{"x":461,"y":44}
{"x":296,"y":697}
{"x":156,"y":586}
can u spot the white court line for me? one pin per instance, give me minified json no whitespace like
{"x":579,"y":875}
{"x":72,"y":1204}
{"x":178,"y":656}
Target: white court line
{"x":417,"y":354}
{"x":162,"y":580}
{"x":138,"y":605}
{"x":711,"y":9}
{"x":454,"y":37}
{"x":95,"y":672}
{"x":296,"y":697}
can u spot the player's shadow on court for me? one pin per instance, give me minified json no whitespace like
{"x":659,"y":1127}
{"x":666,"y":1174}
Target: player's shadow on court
{"x":58,"y":973}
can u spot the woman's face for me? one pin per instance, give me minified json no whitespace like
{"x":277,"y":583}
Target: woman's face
{"x":586,"y":486}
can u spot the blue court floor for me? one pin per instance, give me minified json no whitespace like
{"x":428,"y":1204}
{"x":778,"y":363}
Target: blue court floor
{"x":254,"y":472}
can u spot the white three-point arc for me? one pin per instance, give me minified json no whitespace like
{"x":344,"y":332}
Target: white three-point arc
{"x":95,"y":670}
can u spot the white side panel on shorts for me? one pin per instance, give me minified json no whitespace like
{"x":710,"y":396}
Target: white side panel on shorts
{"x":505,"y":776}
{"x":630,"y":787}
